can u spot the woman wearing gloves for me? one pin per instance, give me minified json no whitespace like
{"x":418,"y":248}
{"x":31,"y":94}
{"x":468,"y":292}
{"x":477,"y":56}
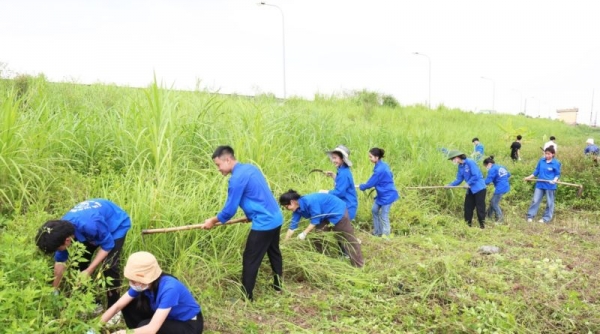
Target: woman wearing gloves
{"x":344,"y":187}
{"x":383,"y":181}
{"x":475,"y":196}
{"x":499,"y":175}
{"x":155,"y":302}
{"x":547,"y":171}
{"x":323,"y":209}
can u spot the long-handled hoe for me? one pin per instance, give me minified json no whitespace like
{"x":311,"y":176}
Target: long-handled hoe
{"x":580,"y":186}
{"x":436,"y":187}
{"x":192,"y":227}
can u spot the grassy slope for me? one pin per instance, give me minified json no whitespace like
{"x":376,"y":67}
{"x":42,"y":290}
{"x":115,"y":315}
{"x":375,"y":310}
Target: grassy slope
{"x":149,"y":151}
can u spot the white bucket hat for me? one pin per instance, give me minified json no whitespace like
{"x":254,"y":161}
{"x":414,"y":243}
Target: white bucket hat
{"x":345,"y":153}
{"x":590,"y":141}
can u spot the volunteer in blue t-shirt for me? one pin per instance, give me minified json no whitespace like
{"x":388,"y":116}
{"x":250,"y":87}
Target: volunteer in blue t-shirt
{"x":498,"y":175}
{"x":547,"y":171}
{"x":344,"y":187}
{"x":248,"y":189}
{"x":475,"y":195}
{"x":98,"y":224}
{"x":383,"y":182}
{"x":323,"y":209}
{"x":155,"y":302}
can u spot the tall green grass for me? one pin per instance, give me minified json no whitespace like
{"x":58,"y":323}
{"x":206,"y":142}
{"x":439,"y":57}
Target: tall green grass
{"x":149,"y":150}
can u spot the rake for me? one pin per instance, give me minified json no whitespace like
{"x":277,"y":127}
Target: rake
{"x":580,"y":186}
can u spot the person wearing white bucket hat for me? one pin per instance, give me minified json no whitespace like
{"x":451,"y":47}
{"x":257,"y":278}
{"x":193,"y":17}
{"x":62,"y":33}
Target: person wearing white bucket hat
{"x":590,"y":148}
{"x":344,"y":187}
{"x":155,"y":302}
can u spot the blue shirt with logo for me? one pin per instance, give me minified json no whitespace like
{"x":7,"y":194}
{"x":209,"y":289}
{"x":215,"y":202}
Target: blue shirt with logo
{"x":97,"y":221}
{"x":470,"y":173}
{"x":499,"y":175}
{"x":547,"y":171}
{"x":171,"y":293}
{"x":383,"y":181}
{"x":249,"y":190}
{"x":345,"y":190}
{"x":318,"y":207}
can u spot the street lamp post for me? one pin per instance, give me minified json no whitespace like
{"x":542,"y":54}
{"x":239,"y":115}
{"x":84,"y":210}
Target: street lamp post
{"x":282,"y":42}
{"x":429,"y":61}
{"x":493,"y":91}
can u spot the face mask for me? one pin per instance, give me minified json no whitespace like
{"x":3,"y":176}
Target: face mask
{"x":138,"y":288}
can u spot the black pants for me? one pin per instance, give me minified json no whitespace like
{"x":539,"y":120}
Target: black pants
{"x":137,"y":315}
{"x":472,"y":202}
{"x":258,"y":244}
{"x":111,"y":266}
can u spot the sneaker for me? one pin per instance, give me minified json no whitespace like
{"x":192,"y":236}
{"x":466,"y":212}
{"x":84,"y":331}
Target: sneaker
{"x":115,"y":319}
{"x":385,"y":237}
{"x":529,"y":220}
{"x":541,"y":221}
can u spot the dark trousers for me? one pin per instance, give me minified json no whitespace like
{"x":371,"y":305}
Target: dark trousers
{"x":111,"y":268}
{"x":258,"y":244}
{"x":472,"y":202}
{"x":346,"y":239}
{"x":138,"y":314}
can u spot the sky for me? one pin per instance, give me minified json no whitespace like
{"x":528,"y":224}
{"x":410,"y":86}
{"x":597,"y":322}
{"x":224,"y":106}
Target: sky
{"x":511,"y":56}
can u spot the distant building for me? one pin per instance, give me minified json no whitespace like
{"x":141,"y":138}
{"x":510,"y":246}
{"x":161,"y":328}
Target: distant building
{"x":568,"y":116}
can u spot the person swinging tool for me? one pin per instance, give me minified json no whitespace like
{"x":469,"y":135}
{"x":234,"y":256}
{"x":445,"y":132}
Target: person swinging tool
{"x":249,"y":190}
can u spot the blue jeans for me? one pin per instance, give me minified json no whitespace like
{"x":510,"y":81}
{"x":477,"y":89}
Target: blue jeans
{"x":537,"y":200}
{"x":381,"y":219}
{"x":494,"y":208}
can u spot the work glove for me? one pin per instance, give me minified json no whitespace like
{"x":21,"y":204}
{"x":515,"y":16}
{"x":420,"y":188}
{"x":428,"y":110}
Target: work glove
{"x":302,"y":236}
{"x":55,"y":292}
{"x":323,"y":191}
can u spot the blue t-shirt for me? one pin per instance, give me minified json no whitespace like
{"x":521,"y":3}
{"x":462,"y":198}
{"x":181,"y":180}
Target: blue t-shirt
{"x":547,"y":171}
{"x":470,"y":173}
{"x":249,"y":190}
{"x":499,"y":176}
{"x":591,"y":149}
{"x":345,"y":190}
{"x":383,"y":181}
{"x":97,"y":221}
{"x":318,"y":207}
{"x":172,"y":294}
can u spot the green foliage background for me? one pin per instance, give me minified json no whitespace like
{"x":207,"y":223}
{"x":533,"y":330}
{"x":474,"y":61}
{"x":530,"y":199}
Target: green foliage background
{"x":149,"y":151}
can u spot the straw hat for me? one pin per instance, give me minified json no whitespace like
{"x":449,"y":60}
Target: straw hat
{"x":142,"y":267}
{"x":345,"y":153}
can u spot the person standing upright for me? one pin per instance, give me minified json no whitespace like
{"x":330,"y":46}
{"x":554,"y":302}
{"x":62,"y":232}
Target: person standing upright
{"x":478,"y":149}
{"x":515,"y":149}
{"x":547,"y":171}
{"x":383,"y":182}
{"x":551,"y":142}
{"x":249,"y":190}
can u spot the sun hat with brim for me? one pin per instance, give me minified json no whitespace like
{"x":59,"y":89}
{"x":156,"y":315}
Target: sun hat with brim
{"x":453,"y":154}
{"x":590,"y":141}
{"x":142,"y":267}
{"x":345,"y":153}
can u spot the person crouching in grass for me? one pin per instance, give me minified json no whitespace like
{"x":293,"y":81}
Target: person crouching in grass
{"x":323,"y":209}
{"x":155,"y":302}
